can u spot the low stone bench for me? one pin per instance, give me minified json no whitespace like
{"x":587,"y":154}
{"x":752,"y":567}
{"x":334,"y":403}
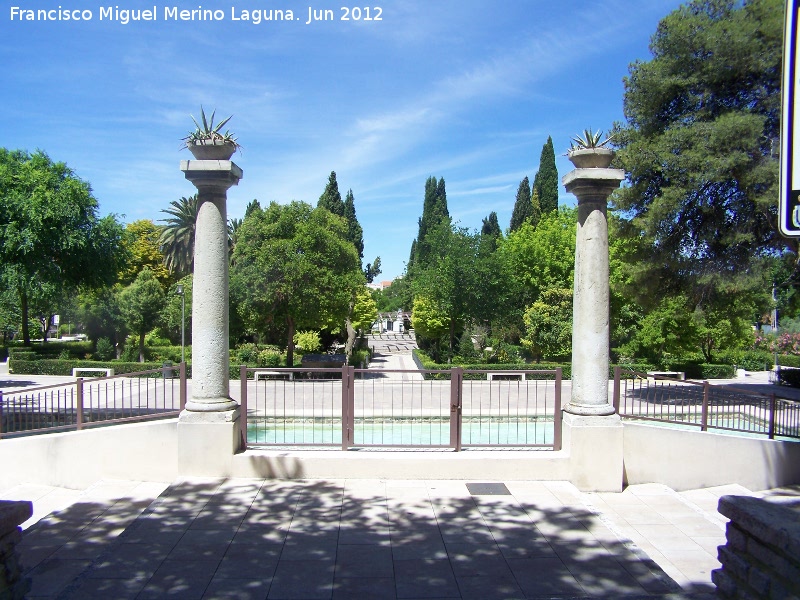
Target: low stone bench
{"x":272,"y":374}
{"x":679,"y":375}
{"x":506,"y":375}
{"x":761,"y":556}
{"x":108,"y":372}
{"x":12,"y":515}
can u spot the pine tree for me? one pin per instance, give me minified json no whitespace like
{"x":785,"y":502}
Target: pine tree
{"x":331,"y":198}
{"x":523,"y":209}
{"x":546,"y":181}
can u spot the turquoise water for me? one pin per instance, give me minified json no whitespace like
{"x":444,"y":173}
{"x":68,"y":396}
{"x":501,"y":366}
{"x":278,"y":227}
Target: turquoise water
{"x":402,"y":432}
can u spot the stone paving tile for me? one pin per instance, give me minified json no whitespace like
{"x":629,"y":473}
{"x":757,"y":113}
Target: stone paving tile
{"x":425,"y":578}
{"x":303,"y":579}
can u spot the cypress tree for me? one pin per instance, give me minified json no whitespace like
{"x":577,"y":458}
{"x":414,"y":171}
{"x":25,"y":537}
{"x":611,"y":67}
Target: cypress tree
{"x":434,"y":212}
{"x":355,"y":233}
{"x":331,"y":198}
{"x":523,"y":209}
{"x":490,"y":231}
{"x":546,"y":181}
{"x":536,"y":210}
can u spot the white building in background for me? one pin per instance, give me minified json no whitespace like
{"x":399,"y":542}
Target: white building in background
{"x":398,"y":321}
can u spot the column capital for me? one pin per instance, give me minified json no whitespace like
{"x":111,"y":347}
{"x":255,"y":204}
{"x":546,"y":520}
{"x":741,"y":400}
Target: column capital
{"x":217,"y":175}
{"x":592,"y":184}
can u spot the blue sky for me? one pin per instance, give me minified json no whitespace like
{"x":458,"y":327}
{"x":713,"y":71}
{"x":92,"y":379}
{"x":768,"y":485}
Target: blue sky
{"x":467,"y":90}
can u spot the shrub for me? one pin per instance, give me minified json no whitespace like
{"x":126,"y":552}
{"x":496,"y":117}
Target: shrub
{"x":359,"y":359}
{"x":308,"y":341}
{"x":104,"y":349}
{"x":246,"y":354}
{"x":270,"y":358}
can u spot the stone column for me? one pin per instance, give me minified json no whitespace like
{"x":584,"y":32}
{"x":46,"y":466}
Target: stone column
{"x":210,"y":355}
{"x":207,"y":429}
{"x":590,"y":311}
{"x":592,"y":433}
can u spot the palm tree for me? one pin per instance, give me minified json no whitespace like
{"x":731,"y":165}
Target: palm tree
{"x":177,"y":237}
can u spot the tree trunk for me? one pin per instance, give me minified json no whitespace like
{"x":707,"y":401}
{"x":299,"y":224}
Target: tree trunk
{"x":23,"y":302}
{"x":290,"y":342}
{"x":351,"y":332}
{"x":141,"y":347}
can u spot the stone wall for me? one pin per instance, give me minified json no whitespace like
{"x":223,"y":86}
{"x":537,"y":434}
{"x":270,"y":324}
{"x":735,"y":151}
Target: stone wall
{"x":761,"y":558}
{"x":12,"y":515}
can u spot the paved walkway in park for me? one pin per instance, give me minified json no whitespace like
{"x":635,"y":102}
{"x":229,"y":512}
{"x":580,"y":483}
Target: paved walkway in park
{"x":212,"y":538}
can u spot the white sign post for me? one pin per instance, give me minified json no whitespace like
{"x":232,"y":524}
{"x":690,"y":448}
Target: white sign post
{"x":789,"y":201}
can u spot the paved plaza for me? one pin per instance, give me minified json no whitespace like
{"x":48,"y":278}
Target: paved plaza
{"x":244,"y":538}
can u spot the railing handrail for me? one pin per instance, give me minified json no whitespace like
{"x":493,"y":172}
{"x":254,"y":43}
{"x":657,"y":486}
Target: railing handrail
{"x":89,"y":380}
{"x":700,"y":382}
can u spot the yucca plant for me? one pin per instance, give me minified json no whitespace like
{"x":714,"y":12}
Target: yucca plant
{"x":589,"y":140}
{"x":210,"y":133}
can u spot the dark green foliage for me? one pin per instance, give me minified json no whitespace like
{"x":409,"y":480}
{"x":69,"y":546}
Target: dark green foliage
{"x":523,"y":207}
{"x":372,"y":270}
{"x":545,"y":184}
{"x":331,"y":199}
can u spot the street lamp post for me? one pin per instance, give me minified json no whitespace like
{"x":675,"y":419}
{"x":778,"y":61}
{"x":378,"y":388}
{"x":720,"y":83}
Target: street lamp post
{"x":179,"y":291}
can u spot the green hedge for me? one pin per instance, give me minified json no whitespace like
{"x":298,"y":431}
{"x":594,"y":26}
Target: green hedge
{"x":64,"y":367}
{"x":702,"y":370}
{"x":788,"y":360}
{"x":54,"y":349}
{"x":424,"y":362}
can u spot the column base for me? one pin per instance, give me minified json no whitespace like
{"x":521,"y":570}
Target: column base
{"x":592,"y":410}
{"x":211,"y":405}
{"x":595,"y":445}
{"x":207,"y":442}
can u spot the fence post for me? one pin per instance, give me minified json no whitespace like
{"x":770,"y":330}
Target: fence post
{"x":182,"y":385}
{"x":348,"y":401}
{"x":772,"y":407}
{"x":704,"y":418}
{"x":243,"y":407}
{"x":1,"y":413}
{"x":557,"y":416}
{"x":456,"y":394}
{"x":617,"y":385}
{"x":79,"y":391}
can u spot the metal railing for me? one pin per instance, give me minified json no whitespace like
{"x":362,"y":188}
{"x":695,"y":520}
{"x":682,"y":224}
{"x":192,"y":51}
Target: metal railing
{"x":145,"y":395}
{"x":351,"y":407}
{"x":700,"y":404}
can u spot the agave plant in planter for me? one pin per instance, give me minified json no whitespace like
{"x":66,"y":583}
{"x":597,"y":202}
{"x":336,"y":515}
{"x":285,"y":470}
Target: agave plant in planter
{"x":208,"y":142}
{"x":589,"y":150}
